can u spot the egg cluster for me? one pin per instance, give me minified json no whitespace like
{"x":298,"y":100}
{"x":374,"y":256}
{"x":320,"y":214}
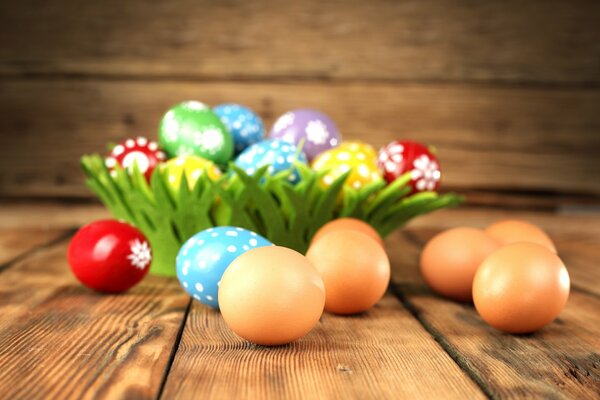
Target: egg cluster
{"x":195,"y":140}
{"x":510,"y":271}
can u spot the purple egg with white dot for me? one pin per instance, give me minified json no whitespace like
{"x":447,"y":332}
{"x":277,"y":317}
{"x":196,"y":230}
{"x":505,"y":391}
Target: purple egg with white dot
{"x":204,"y":257}
{"x":318,"y":131}
{"x":277,"y":154}
{"x":245,"y":125}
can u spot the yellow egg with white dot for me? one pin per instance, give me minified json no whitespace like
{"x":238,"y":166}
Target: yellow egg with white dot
{"x":363,"y":150}
{"x":355,"y":157}
{"x":193,"y":167}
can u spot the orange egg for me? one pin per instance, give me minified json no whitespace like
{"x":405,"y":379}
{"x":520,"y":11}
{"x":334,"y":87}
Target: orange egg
{"x":355,"y":269}
{"x":451,"y":258}
{"x":271,"y":295}
{"x":348,"y":224}
{"x":512,"y":231}
{"x":521,"y":287}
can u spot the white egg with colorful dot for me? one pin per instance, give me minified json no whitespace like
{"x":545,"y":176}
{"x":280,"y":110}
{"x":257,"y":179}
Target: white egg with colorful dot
{"x":204,"y":257}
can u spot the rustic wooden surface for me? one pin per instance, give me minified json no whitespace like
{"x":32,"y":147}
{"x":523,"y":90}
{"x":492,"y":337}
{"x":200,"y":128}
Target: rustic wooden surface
{"x":508,"y":91}
{"x":60,"y":340}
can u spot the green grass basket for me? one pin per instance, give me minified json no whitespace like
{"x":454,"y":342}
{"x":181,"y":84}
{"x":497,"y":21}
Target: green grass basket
{"x":288,"y":215}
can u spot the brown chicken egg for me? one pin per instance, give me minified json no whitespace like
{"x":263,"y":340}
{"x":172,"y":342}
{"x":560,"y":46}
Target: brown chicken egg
{"x":521,"y":287}
{"x":348,"y":224}
{"x":512,"y":231}
{"x":355,"y":270}
{"x":271,"y":295}
{"x":451,"y":258}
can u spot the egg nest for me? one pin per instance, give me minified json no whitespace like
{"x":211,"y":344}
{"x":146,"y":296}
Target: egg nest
{"x":287,"y":214}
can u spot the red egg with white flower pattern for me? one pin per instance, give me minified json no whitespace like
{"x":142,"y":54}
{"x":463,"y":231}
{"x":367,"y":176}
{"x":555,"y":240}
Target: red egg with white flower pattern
{"x":140,"y":151}
{"x":402,"y":156}
{"x":109,"y":256}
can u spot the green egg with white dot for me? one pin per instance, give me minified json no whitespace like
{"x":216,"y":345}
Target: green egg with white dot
{"x":192,"y":128}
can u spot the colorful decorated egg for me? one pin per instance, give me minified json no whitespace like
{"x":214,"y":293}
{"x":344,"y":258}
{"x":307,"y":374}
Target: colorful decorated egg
{"x":402,"y":156}
{"x":191,"y":128}
{"x":245,"y":126}
{"x":316,"y":130}
{"x":205,"y":256}
{"x":193,"y":167}
{"x":356,"y":157}
{"x":277,"y":154}
{"x":109,"y":256}
{"x":140,"y":151}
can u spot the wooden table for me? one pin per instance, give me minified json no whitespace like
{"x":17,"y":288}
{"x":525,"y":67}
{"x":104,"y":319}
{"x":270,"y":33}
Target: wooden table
{"x":60,"y":340}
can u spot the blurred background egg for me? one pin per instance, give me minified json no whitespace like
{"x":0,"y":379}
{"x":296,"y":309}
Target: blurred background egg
{"x":271,"y":296}
{"x":358,"y":158}
{"x":402,"y":156}
{"x":318,"y":132}
{"x":521,"y":287}
{"x":278,"y":155}
{"x":193,"y":167}
{"x":204,"y":257}
{"x":450,"y":259}
{"x":245,"y":126}
{"x":355,"y":270}
{"x":191,"y":128}
{"x":512,"y":231}
{"x":348,"y":224}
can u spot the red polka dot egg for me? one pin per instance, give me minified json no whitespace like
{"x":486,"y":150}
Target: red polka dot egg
{"x":140,"y":151}
{"x":402,"y":156}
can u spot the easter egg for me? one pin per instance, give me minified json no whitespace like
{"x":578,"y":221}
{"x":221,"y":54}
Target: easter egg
{"x":355,"y":157}
{"x":245,"y":126}
{"x":450,"y":260}
{"x":278,"y":155}
{"x":271,"y":296}
{"x":348,"y":224}
{"x":139,"y":151}
{"x":193,"y":167}
{"x":521,"y":287}
{"x":316,"y":129}
{"x":357,"y":146}
{"x":109,"y":256}
{"x":355,"y":269}
{"x":191,"y":128}
{"x":204,"y":257}
{"x":400,"y":157}
{"x":512,"y":231}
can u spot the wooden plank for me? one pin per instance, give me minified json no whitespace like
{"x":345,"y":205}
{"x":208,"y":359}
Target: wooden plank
{"x":488,"y":138}
{"x":507,"y":41}
{"x":380,"y":354}
{"x":560,"y":361}
{"x":16,"y":242}
{"x":60,"y":340}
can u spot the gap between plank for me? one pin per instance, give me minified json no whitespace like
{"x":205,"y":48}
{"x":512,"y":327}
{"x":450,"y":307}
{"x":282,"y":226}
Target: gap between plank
{"x":444,"y":344}
{"x":174,"y":350}
{"x":69,"y":232}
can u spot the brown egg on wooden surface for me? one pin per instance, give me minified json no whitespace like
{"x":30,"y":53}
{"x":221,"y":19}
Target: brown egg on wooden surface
{"x":348,"y":224}
{"x":451,"y":258}
{"x":513,"y":231}
{"x":521,"y":287}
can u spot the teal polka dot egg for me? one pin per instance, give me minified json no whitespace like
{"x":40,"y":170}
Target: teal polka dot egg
{"x":204,"y":257}
{"x":245,"y":126}
{"x":277,"y":154}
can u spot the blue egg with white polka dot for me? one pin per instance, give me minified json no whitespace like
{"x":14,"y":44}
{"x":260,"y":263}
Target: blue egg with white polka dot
{"x":275,"y":153}
{"x":204,"y":257}
{"x":245,"y":126}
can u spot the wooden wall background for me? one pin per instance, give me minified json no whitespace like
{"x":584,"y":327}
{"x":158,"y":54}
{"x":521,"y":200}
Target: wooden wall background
{"x":509,"y":91}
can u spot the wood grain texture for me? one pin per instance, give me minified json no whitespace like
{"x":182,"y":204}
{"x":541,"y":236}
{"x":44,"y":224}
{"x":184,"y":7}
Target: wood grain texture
{"x":510,"y":41}
{"x":60,"y":340}
{"x":381,"y":354}
{"x":560,"y":361}
{"x":17,"y":242}
{"x":490,"y":138}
